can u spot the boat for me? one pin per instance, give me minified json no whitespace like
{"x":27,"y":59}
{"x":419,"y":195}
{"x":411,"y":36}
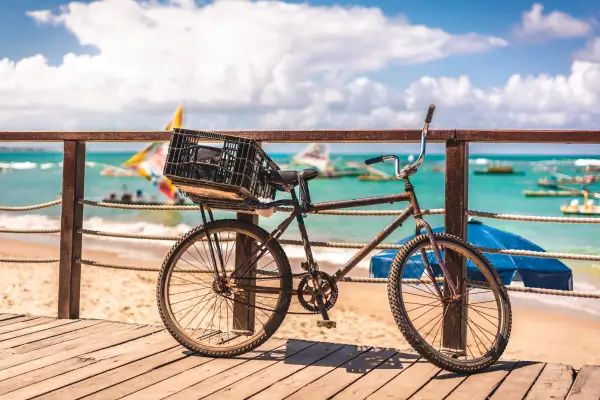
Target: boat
{"x":498,"y":170}
{"x":551,"y":193}
{"x":563,"y":179}
{"x":587,"y":208}
{"x":150,"y":161}
{"x":317,"y":156}
{"x":588,"y":164}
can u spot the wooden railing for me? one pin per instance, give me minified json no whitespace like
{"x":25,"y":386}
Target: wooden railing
{"x":456,"y":184}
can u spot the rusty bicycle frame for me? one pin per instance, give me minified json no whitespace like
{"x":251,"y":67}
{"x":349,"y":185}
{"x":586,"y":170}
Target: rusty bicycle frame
{"x":300,"y":208}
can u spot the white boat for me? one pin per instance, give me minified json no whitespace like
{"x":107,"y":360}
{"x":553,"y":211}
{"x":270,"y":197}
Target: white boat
{"x":588,"y":207}
{"x":315,"y":155}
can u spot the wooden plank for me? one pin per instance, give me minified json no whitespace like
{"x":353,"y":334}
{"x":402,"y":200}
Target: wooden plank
{"x":154,"y":375}
{"x":378,"y":377}
{"x":15,"y":328}
{"x":4,"y":317}
{"x":71,"y":221}
{"x":440,"y":386}
{"x":259,"y":381}
{"x":243,"y":306}
{"x":23,"y":363}
{"x":48,"y":336}
{"x":587,"y":384}
{"x":190,"y":377}
{"x":408,"y":382}
{"x":366,"y":135}
{"x":5,"y":325}
{"x":481,"y":385}
{"x":519,"y":381}
{"x":454,"y":326}
{"x":297,"y":381}
{"x":341,"y":377}
{"x":71,"y":338}
{"x":118,"y":375}
{"x":36,"y":328}
{"x":553,"y":383}
{"x":211,"y":385}
{"x":64,"y":373}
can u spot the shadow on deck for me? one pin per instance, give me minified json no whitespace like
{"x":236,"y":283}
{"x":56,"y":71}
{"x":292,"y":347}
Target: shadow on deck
{"x":52,"y":358}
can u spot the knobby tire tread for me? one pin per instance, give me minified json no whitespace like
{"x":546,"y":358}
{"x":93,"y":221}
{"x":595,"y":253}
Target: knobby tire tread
{"x":413,"y":338}
{"x":277,"y":252}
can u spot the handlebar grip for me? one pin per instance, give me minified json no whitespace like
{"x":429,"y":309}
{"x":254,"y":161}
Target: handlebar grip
{"x":429,"y":116}
{"x":374,"y":160}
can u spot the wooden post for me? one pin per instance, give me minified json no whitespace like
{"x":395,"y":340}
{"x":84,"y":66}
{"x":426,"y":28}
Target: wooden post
{"x":69,"y":275}
{"x":457,"y":199}
{"x":243,"y":310}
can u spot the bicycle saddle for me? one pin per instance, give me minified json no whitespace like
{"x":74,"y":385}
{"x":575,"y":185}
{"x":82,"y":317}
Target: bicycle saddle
{"x":290,"y":177}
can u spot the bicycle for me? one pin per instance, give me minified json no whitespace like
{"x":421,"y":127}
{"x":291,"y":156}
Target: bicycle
{"x":250,"y":299}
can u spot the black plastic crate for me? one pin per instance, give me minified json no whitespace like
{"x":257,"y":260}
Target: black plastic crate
{"x":222,"y":177}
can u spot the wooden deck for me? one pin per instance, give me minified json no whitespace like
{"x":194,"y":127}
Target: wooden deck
{"x":50,"y":358}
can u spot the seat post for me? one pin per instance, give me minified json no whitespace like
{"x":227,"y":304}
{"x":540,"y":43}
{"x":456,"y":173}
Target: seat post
{"x":299,"y":210}
{"x":304,"y":192}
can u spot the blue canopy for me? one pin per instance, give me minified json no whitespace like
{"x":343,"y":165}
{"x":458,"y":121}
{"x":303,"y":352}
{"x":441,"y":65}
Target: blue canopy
{"x":535,"y":272}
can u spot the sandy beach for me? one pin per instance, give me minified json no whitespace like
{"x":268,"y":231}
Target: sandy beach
{"x":362,"y":311}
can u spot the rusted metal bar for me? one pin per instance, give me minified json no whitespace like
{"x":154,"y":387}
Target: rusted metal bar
{"x":529,"y":136}
{"x":365,"y":201}
{"x":454,"y":333}
{"x":288,"y":136}
{"x":244,"y":300}
{"x":69,"y":275}
{"x":385,"y":135}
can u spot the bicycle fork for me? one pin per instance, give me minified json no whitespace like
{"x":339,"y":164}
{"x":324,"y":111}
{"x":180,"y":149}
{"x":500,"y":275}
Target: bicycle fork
{"x":436,"y":251}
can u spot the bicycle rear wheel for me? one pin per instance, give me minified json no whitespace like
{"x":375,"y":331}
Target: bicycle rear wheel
{"x":208,"y":305}
{"x":461,"y":335}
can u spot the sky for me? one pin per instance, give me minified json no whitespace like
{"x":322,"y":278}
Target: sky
{"x":241,"y":64}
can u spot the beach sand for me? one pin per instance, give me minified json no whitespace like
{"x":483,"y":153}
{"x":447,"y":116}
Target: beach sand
{"x":362,"y":312}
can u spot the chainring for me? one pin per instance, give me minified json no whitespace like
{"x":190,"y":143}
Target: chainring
{"x":309,"y":302}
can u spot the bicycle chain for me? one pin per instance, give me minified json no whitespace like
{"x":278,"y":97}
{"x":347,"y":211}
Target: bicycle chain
{"x":300,"y":275}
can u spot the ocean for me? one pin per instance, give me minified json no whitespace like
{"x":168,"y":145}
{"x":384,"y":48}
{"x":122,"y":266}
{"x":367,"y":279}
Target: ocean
{"x":36,"y":178}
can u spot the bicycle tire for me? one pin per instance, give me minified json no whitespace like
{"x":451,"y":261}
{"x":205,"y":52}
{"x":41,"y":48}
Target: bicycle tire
{"x":273,"y":323}
{"x":412,"y":335}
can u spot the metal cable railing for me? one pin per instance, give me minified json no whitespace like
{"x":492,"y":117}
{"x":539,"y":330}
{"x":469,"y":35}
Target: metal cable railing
{"x":514,"y":217}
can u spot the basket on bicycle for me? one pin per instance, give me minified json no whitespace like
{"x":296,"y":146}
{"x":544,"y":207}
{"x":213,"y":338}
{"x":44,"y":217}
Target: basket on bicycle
{"x":220,"y":177}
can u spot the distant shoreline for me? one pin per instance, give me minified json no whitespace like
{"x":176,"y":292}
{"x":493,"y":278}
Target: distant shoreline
{"x":22,"y":150}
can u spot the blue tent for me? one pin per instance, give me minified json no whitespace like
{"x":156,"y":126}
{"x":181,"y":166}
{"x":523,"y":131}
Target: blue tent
{"x":535,"y":272}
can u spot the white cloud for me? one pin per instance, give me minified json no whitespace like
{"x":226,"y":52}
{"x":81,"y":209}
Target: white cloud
{"x":591,"y":52}
{"x":537,"y":26}
{"x":247,"y":65}
{"x":227,"y":57}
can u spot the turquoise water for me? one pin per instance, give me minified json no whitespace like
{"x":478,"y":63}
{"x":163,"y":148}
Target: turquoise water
{"x":486,"y":193}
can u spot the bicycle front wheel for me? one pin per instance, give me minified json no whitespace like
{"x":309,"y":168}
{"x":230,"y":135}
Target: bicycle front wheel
{"x":464,"y":334}
{"x":211,"y":302}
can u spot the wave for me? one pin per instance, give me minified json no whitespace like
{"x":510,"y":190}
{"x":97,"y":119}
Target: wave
{"x":19,"y":165}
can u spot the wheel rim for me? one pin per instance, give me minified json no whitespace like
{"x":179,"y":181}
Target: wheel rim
{"x":484,"y":321}
{"x":211,"y":312}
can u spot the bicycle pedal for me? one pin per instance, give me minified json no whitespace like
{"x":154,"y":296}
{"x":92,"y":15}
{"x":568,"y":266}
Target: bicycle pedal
{"x":326,"y":324}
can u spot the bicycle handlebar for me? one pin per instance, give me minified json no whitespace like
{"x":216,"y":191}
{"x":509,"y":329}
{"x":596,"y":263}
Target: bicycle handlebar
{"x":411,"y":167}
{"x":374,"y":160}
